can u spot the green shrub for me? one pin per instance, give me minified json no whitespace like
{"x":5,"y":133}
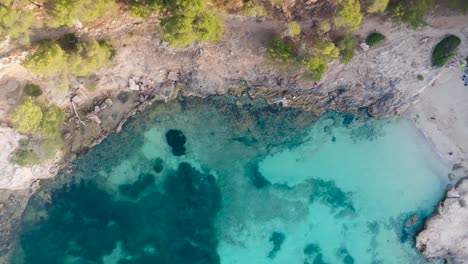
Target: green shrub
{"x":374,"y":38}
{"x":144,"y":8}
{"x":443,"y":51}
{"x":27,"y":117}
{"x":254,"y":9}
{"x":178,"y":31}
{"x":315,"y":66}
{"x":77,"y":58}
{"x":32,"y":90}
{"x":68,"y":42}
{"x":348,"y":15}
{"x":190,"y":22}
{"x":294,"y":29}
{"x":24,"y":156}
{"x":315,"y":62}
{"x":208,"y":28}
{"x":324,"y":27}
{"x":347,"y":46}
{"x":281,"y":51}
{"x":51,"y":124}
{"x":89,"y":57}
{"x":189,"y":8}
{"x":64,"y":12}
{"x":377,"y":6}
{"x":326,"y":49}
{"x":15,"y":23}
{"x":462,"y":4}
{"x":420,"y":77}
{"x":32,"y":117}
{"x":49,"y":59}
{"x":411,"y":12}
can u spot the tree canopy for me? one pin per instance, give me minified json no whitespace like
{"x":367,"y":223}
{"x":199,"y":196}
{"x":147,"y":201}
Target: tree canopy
{"x":89,"y":57}
{"x":377,"y":6}
{"x":65,"y":12}
{"x":348,"y":15}
{"x":80,"y":58}
{"x":15,"y":22}
{"x":443,"y":51}
{"x":411,"y":12}
{"x":48,"y":60}
{"x":35,"y":118}
{"x":189,"y":22}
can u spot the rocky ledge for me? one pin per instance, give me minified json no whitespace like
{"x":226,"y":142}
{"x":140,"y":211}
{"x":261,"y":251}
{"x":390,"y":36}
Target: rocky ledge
{"x":444,"y":235}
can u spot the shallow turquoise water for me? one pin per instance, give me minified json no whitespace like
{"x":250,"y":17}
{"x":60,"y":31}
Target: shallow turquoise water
{"x":257,"y":184}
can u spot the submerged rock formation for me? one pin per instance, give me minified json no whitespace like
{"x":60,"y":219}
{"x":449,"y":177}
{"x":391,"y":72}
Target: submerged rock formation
{"x":445,"y":233}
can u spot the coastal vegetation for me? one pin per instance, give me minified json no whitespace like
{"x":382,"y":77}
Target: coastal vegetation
{"x":459,"y":4}
{"x":32,"y":90}
{"x":15,"y":20}
{"x":314,"y":60}
{"x":281,"y":51}
{"x":24,"y":155}
{"x":254,"y":9}
{"x":348,"y":15}
{"x":38,"y":119}
{"x":294,"y":29}
{"x":374,"y":38}
{"x":411,"y":12}
{"x":79,"y":58}
{"x":41,"y":122}
{"x":65,"y":12}
{"x":347,"y":46}
{"x":377,"y":6}
{"x":443,"y":51}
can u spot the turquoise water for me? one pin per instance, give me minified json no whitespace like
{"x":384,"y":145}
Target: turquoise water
{"x":239,"y":182}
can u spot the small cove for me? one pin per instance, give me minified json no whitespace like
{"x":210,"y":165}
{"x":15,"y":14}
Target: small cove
{"x":253,"y":184}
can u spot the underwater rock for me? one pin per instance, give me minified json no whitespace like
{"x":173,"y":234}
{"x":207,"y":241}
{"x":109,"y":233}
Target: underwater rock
{"x":257,"y":179}
{"x":311,"y":249}
{"x":328,"y":193}
{"x":277,"y":238}
{"x":313,"y":254}
{"x":344,"y":254}
{"x":319,"y":259}
{"x":158,"y":165}
{"x":134,"y":190}
{"x":176,"y":140}
{"x":347,"y":119}
{"x":85,"y":222}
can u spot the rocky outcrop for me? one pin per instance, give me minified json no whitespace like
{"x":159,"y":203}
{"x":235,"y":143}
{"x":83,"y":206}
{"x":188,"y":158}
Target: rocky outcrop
{"x":445,"y":234}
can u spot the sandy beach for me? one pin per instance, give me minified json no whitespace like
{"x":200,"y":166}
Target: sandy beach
{"x":442,"y":116}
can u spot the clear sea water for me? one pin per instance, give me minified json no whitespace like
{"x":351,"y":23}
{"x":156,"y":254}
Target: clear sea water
{"x":252,"y":184}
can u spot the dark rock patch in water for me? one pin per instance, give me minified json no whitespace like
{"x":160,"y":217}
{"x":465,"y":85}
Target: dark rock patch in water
{"x":319,"y":259}
{"x":176,"y":139}
{"x":347,"y":119}
{"x":257,"y":179}
{"x":277,"y":238}
{"x":158,"y":165}
{"x":311,"y":249}
{"x":344,"y":254}
{"x":328,"y":193}
{"x":134,"y":190}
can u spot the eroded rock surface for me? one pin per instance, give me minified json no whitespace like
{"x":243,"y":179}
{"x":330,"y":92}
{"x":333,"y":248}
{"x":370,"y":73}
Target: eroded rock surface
{"x":445,"y":234}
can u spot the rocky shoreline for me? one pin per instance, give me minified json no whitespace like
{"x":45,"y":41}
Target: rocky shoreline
{"x":146,"y":70}
{"x":442,"y":236}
